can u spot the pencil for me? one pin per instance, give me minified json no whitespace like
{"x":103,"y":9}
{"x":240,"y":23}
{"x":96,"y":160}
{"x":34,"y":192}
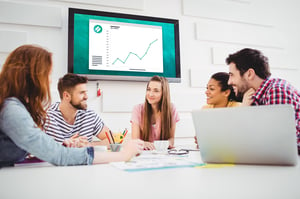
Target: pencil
{"x":124,"y":134}
{"x":112,"y":137}
{"x":107,"y":137}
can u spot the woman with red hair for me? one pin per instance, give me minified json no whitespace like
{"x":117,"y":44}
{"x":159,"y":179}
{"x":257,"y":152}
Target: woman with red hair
{"x":24,"y":96}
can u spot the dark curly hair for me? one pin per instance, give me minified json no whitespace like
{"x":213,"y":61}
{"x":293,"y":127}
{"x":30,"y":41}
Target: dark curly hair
{"x":250,"y":58}
{"x":222,"y":78}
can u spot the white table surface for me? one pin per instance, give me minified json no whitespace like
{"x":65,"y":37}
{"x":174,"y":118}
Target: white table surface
{"x":107,"y":181}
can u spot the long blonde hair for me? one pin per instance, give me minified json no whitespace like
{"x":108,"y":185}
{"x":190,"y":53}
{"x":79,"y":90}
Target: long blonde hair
{"x":165,"y":109}
{"x":25,"y":75}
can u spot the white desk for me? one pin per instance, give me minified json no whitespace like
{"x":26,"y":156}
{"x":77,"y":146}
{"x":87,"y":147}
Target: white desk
{"x":105,"y":181}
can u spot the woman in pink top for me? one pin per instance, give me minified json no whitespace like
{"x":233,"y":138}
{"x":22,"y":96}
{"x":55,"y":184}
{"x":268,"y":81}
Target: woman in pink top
{"x":156,"y":118}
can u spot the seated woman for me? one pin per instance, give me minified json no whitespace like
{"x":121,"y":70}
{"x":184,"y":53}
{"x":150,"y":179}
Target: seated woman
{"x":25,"y":93}
{"x":219,"y":93}
{"x":156,"y":118}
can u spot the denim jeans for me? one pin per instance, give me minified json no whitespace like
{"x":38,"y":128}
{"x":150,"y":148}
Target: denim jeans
{"x":10,"y":152}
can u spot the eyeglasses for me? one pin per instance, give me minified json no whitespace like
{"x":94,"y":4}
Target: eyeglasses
{"x":178,"y":152}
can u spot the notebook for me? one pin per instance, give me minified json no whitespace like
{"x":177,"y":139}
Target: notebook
{"x":247,"y":135}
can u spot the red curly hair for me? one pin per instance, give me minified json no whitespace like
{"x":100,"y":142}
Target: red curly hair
{"x":25,"y":75}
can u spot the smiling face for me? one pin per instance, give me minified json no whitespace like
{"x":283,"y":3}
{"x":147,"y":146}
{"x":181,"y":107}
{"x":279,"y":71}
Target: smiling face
{"x":79,"y":97}
{"x":154,"y":92}
{"x":238,"y":82}
{"x":215,"y":96}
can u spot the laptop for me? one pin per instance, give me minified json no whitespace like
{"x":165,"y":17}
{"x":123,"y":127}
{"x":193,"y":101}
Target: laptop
{"x":247,"y":135}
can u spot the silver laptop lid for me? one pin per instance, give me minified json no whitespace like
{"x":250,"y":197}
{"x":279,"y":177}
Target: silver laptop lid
{"x":247,"y":135}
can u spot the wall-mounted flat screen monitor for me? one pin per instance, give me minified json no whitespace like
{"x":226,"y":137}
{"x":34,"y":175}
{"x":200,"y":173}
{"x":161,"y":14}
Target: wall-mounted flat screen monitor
{"x":116,"y":46}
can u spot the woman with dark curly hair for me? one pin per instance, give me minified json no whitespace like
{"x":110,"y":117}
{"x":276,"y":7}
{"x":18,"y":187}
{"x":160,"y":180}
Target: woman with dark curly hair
{"x":219,"y":93}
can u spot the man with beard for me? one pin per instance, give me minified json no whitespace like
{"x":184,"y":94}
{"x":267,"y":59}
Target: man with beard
{"x":249,"y":75}
{"x":69,"y":121}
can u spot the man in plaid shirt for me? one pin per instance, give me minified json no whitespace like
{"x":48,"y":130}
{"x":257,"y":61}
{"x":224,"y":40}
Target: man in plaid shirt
{"x":249,"y":74}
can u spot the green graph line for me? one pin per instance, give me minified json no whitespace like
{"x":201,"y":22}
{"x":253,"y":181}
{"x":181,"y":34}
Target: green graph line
{"x":131,"y":53}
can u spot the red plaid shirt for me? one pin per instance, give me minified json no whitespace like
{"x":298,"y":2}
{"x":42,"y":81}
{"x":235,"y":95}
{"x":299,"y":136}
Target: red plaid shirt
{"x":279,"y":91}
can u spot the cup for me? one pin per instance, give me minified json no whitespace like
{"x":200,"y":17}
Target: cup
{"x":161,"y":145}
{"x":100,"y":148}
{"x":115,"y":147}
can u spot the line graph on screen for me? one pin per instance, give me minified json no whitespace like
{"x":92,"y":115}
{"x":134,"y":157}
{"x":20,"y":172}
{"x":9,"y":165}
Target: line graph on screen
{"x":134,"y":54}
{"x":124,"y":47}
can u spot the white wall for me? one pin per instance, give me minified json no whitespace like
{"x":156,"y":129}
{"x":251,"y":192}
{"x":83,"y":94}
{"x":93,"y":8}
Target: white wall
{"x":209,"y":31}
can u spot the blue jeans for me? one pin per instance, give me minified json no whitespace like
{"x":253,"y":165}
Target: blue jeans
{"x":9,"y":152}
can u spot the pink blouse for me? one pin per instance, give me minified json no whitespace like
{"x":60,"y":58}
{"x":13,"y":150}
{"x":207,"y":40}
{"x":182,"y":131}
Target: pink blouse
{"x":136,"y":118}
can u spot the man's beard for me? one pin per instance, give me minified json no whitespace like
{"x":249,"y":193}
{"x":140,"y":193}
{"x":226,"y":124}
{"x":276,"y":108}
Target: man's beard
{"x":239,"y":97}
{"x":79,"y":106}
{"x":241,"y":91}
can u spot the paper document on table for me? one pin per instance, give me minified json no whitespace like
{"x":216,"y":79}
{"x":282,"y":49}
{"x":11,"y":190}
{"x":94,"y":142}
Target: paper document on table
{"x":150,"y":160}
{"x":210,"y":165}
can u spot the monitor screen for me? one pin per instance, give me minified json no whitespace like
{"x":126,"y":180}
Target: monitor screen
{"x":116,"y":46}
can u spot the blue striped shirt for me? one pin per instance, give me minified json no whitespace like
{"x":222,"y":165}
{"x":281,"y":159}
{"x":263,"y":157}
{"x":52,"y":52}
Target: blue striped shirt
{"x":87,"y":123}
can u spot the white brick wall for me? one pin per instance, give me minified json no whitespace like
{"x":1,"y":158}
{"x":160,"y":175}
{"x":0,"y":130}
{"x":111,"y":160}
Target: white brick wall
{"x":209,"y":31}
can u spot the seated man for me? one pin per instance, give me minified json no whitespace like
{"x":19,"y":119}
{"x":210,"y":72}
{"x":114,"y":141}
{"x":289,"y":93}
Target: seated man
{"x":69,"y":122}
{"x":250,"y":77}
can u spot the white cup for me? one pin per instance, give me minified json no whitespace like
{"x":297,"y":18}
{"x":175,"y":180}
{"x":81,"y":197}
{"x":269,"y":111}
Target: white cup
{"x":161,"y":145}
{"x":100,"y":148}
